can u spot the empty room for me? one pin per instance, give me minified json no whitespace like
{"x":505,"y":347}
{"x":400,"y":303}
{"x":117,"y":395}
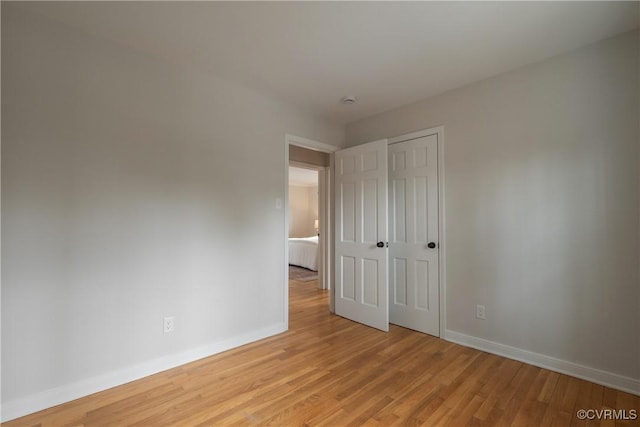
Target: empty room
{"x":467,"y":251}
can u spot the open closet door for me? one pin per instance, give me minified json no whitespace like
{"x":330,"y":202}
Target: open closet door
{"x":362,"y":292}
{"x":413,"y":235}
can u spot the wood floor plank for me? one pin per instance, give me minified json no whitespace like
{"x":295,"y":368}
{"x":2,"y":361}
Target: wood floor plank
{"x":532,"y":410}
{"x":631,"y":404}
{"x":327,"y":370}
{"x":581,"y":403}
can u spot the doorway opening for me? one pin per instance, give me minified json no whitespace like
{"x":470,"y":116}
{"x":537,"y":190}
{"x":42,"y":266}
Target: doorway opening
{"x":304,"y":224}
{"x":309,"y":212}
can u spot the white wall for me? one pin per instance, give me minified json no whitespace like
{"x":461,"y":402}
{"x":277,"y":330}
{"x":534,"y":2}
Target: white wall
{"x":123,"y":202}
{"x":313,"y":210}
{"x":303,"y":210}
{"x":542,"y":209}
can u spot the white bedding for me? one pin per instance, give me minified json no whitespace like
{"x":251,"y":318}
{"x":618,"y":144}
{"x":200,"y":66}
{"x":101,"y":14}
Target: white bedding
{"x":303,"y":252}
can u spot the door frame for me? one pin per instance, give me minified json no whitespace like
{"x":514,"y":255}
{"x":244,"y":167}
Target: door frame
{"x":326,"y":226}
{"x":442,"y":287}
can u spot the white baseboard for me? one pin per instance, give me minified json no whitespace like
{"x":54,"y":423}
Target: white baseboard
{"x":66,"y":393}
{"x":619,"y":382}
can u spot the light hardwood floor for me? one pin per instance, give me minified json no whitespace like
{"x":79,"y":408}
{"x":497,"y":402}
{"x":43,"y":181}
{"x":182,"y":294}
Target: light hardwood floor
{"x":329,"y":371}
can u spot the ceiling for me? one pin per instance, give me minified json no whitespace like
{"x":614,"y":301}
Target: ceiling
{"x":387,"y":54}
{"x":303,"y":177}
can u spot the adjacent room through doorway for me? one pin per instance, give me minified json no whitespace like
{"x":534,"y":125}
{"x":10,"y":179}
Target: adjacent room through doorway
{"x":303,"y":223}
{"x":308,"y":220}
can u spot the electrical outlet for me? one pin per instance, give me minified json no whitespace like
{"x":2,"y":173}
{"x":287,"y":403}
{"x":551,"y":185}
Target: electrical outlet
{"x":480,"y":312}
{"x":168,"y":324}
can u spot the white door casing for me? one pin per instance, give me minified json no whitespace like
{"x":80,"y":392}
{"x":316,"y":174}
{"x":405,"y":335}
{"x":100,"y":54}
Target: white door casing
{"x":413,"y":226}
{"x":361,"y":291}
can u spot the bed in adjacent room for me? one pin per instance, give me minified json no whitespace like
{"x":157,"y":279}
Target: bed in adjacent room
{"x":303,"y":252}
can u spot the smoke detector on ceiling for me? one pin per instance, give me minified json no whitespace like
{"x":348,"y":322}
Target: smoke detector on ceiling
{"x":348,"y":100}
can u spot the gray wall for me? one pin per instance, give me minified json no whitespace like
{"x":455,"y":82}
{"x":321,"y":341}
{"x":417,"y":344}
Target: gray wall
{"x":132,"y":189}
{"x":304,"y":155}
{"x":542,"y":209}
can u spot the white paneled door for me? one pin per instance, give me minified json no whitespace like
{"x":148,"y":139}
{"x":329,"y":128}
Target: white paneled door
{"x":361,"y":180}
{"x":413,"y":235}
{"x":387,"y":234}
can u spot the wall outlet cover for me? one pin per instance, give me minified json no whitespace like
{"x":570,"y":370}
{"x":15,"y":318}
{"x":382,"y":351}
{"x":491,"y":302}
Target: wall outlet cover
{"x":168,"y":324}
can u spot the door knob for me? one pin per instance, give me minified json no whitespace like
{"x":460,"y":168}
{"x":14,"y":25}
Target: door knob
{"x":431,"y":245}
{"x":380,"y":244}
